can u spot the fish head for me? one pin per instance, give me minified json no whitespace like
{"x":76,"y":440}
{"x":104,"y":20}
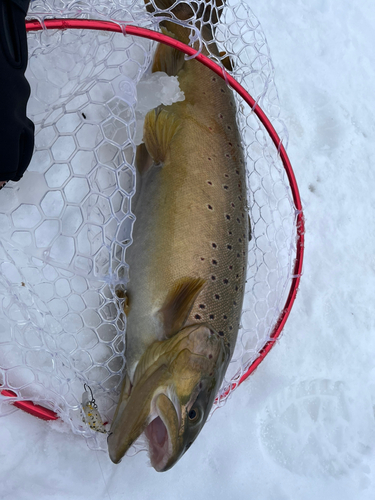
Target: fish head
{"x":174,"y":390}
{"x":181,"y":408}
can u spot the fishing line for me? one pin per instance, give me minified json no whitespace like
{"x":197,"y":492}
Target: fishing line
{"x":101,"y":470}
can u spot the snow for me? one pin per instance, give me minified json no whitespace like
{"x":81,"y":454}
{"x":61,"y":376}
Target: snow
{"x":303,"y":426}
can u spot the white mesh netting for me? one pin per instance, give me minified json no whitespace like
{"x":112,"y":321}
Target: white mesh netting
{"x":66,"y":225}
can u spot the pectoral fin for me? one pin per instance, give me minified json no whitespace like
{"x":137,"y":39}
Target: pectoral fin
{"x":159,"y":130}
{"x":178,"y":304}
{"x":132,"y":418}
{"x":126,"y":388}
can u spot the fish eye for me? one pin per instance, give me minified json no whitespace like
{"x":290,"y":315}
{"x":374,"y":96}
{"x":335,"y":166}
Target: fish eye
{"x":193,"y":415}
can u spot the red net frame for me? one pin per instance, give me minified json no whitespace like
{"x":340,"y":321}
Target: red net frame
{"x":63,"y":24}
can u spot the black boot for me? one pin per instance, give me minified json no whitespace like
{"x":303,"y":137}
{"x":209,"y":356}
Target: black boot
{"x":16,"y":130}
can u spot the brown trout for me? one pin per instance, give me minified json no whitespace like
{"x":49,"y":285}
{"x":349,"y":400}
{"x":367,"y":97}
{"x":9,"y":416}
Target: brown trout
{"x":187,"y":262}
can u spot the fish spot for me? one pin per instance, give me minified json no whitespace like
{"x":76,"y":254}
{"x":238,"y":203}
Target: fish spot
{"x":238,"y":255}
{"x":217,"y":296}
{"x":209,"y":207}
{"x":221,"y":334}
{"x":230,"y":268}
{"x":225,"y":281}
{"x":240,"y":240}
{"x":227,"y":155}
{"x":213,"y":79}
{"x":225,"y":186}
{"x":213,"y":278}
{"x":226,"y":175}
{"x":232,"y":205}
{"x":212,"y":316}
{"x":210,"y":128}
{"x":225,"y":316}
{"x":237,"y":172}
{"x":221,"y":116}
{"x":223,"y":91}
{"x":231,"y":103}
{"x":230,"y":144}
{"x":210,"y":356}
{"x":237,"y":276}
{"x":197,"y":316}
{"x":214,"y":262}
{"x":234,"y":303}
{"x":238,"y":220}
{"x":202,"y":258}
{"x":230,"y":327}
{"x":230,"y":233}
{"x":202,"y":306}
{"x":227,"y":216}
{"x":209,"y":159}
{"x":209,"y":183}
{"x":229,"y":247}
{"x":214,"y":245}
{"x":236,"y":288}
{"x":229,"y":128}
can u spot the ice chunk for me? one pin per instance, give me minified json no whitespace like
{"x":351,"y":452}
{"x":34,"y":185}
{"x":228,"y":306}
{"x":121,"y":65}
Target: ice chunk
{"x":158,"y":88}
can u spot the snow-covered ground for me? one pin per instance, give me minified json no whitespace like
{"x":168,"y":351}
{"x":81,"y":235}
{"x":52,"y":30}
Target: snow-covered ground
{"x":303,"y":426}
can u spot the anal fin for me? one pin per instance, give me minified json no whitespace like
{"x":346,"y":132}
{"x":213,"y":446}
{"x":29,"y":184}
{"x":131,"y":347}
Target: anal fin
{"x":159,"y":130}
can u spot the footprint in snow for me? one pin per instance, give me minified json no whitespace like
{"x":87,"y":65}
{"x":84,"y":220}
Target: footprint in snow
{"x":319,"y":428}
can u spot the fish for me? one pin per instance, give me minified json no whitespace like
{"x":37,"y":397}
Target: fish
{"x":187,"y":261}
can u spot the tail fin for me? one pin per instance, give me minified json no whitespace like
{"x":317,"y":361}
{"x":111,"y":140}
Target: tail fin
{"x":204,"y":14}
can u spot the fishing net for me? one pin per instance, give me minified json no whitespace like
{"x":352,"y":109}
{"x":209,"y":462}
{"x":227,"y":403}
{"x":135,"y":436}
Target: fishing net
{"x":67,"y":224}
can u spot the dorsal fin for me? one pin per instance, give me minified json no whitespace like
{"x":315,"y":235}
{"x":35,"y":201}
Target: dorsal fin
{"x":178,"y":304}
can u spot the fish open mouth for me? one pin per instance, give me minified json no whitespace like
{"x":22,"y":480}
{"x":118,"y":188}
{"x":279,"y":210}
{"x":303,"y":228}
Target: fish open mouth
{"x":162,"y":434}
{"x":159,"y":443}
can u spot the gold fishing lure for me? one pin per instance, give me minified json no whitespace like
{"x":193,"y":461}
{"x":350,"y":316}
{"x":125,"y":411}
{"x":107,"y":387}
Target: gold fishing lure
{"x":91,"y":415}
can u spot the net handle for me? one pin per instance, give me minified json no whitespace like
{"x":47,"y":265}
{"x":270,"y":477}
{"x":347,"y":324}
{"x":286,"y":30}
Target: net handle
{"x":63,"y":24}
